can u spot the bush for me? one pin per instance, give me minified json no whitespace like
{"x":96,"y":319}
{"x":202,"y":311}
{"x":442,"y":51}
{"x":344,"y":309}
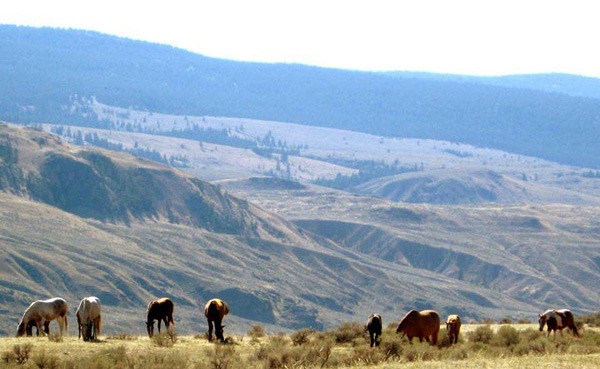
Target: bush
{"x":348,"y":332}
{"x":122,"y":336}
{"x":222,"y":357}
{"x":301,"y":337}
{"x":164,"y":339}
{"x":506,"y":336}
{"x":19,"y":354}
{"x":482,"y":334}
{"x":46,"y":361}
{"x":593,"y":320}
{"x":523,"y":321}
{"x":391,"y":349}
{"x":505,"y":320}
{"x":55,"y":337}
{"x":256,"y":331}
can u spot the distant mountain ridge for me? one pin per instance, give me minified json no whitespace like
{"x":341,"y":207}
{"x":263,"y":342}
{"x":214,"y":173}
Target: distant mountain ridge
{"x":44,"y":72}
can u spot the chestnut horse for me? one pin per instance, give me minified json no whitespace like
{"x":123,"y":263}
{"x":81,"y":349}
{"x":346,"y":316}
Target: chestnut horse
{"x":423,"y":324}
{"x":161,"y":310}
{"x":89,"y":319}
{"x":558,"y":319}
{"x":214,"y":311}
{"x":374,"y":326}
{"x":43,"y":311}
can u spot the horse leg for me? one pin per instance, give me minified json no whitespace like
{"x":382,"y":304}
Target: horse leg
{"x":421,"y":339}
{"x":372,"y":339}
{"x":219,"y":331}
{"x":159,"y":321}
{"x":377,"y":339}
{"x":210,"y":330}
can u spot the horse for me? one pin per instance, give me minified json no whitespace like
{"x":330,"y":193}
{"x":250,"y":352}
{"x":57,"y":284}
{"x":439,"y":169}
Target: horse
{"x":214,"y":311}
{"x":558,"y":319}
{"x":374,"y":326}
{"x":453,"y":327}
{"x":43,"y":311}
{"x":161,"y":310}
{"x":421,"y":324}
{"x":89,"y":320}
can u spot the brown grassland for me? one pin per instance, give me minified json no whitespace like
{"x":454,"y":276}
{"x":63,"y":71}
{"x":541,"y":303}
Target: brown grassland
{"x":480,"y":346}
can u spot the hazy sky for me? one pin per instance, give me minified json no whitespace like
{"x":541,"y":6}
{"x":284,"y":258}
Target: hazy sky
{"x":450,"y":36}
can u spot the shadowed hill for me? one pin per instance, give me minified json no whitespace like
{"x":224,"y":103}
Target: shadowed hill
{"x":70,"y":227}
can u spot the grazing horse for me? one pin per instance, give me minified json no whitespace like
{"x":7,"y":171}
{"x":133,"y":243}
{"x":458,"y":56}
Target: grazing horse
{"x":161,"y":310}
{"x":453,"y":327}
{"x":422,"y":324}
{"x":558,"y":319}
{"x":89,"y":320}
{"x":43,"y":311}
{"x":374,"y":326}
{"x":214,"y":311}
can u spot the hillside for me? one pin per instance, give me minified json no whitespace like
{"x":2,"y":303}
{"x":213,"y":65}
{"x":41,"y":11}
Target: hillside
{"x":269,"y":270}
{"x":410,"y":170}
{"x":67,"y":65}
{"x":545,"y":255}
{"x":468,"y":187}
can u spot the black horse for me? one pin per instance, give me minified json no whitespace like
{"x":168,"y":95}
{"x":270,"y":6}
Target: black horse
{"x":374,"y":326}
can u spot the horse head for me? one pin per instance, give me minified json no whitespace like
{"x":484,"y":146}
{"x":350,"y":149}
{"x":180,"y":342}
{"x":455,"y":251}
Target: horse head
{"x":150,"y":328}
{"x":542,"y":321}
{"x":21,"y":329}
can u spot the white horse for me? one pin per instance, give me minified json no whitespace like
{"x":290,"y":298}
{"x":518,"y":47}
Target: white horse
{"x":89,"y":320}
{"x":42,"y":311}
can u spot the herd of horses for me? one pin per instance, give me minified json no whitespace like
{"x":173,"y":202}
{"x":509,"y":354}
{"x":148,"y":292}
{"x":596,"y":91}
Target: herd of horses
{"x":421,"y":324}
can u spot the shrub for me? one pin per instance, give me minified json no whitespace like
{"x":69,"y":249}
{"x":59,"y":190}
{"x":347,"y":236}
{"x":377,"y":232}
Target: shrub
{"x":505,"y":320}
{"x":523,"y":321}
{"x":301,"y":337}
{"x":164,"y":339}
{"x":19,"y":354}
{"x":122,"y":336}
{"x":46,"y":361}
{"x":349,"y":331}
{"x":222,"y":357}
{"x":506,"y":336}
{"x":55,"y":337}
{"x":483,"y":334}
{"x":391,"y":350}
{"x":256,"y":331}
{"x":363,"y":356}
{"x":593,"y":320}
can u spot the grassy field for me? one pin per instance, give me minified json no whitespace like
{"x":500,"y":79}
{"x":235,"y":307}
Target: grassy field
{"x":481,"y":346}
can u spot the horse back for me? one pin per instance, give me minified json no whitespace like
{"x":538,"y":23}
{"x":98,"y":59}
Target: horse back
{"x":216,"y":309}
{"x":374,"y":324}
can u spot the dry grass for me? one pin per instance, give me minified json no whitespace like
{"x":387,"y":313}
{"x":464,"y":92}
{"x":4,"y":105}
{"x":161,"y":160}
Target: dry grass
{"x":318,"y":350}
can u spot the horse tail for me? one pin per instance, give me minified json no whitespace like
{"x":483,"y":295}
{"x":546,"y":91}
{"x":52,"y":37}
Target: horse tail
{"x":66,"y":323}
{"x":574,"y":328}
{"x":99,"y":329}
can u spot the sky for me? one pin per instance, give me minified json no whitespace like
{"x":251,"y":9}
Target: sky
{"x":476,"y":37}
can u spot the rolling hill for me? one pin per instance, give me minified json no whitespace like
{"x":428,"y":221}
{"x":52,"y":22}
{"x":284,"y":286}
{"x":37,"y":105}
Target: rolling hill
{"x":45,"y":72}
{"x":546,"y":255}
{"x":190,"y":241}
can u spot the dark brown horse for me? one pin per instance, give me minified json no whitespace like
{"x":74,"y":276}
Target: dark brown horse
{"x":423,"y":324}
{"x":161,"y":310}
{"x":374,"y":326}
{"x":214,"y":311}
{"x":558,"y":320}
